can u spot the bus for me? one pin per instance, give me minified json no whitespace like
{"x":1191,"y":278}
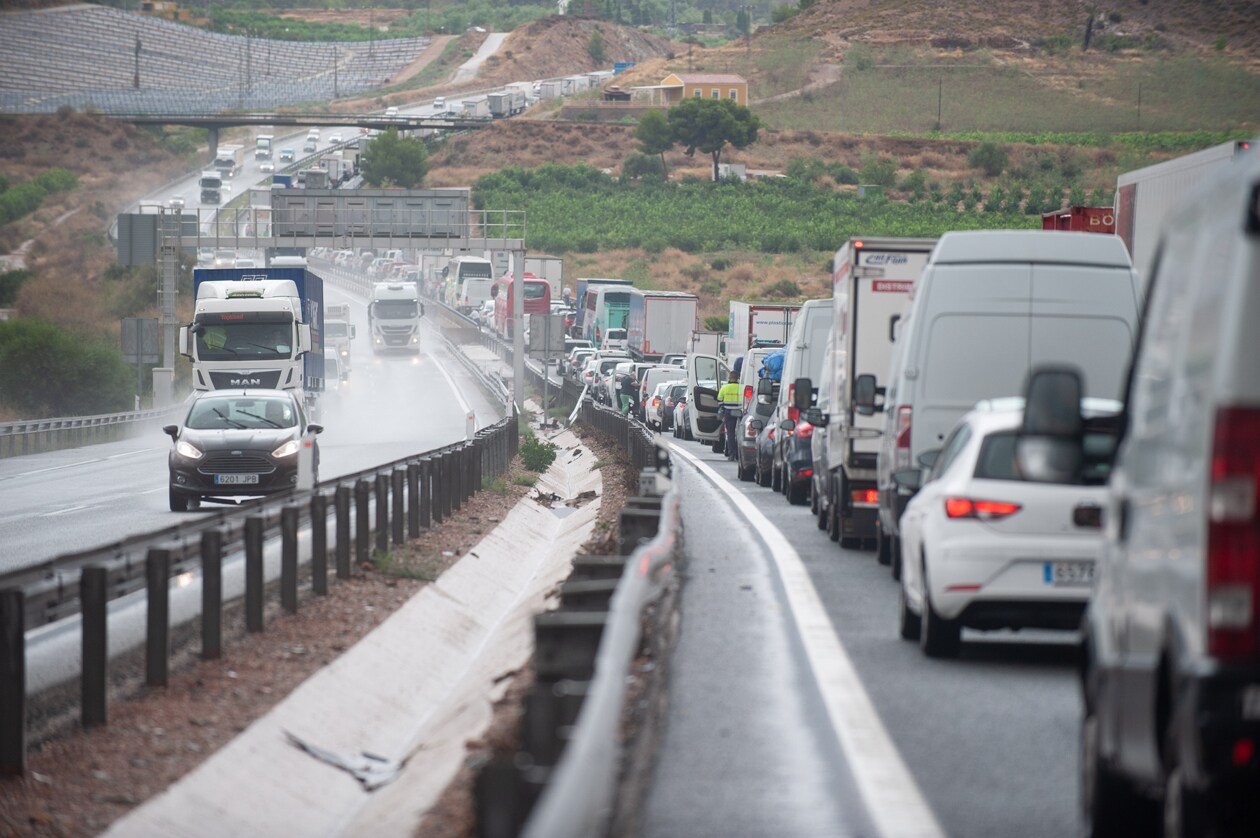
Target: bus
{"x":537,"y":300}
{"x":468,"y":283}
{"x":607,"y":307}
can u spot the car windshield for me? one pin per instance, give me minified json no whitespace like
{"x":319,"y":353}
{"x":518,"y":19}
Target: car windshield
{"x":252,"y":340}
{"x":220,"y":413}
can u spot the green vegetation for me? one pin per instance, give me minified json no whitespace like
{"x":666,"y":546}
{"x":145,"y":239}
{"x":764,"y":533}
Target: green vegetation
{"x":424,"y":570}
{"x":526,"y":479}
{"x":390,"y":160}
{"x":451,"y":18}
{"x":494,"y":484}
{"x":10,"y":284}
{"x":887,"y":90}
{"x":654,"y":135}
{"x":48,"y":371}
{"x":707,"y":125}
{"x":578,"y":208}
{"x":596,"y":48}
{"x":24,"y":198}
{"x":536,"y":455}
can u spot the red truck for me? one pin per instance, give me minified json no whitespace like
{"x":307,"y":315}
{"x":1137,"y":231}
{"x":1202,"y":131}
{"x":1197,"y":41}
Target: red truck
{"x":1081,"y":220}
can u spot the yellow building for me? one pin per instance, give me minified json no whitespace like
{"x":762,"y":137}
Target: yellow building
{"x":678,"y":86}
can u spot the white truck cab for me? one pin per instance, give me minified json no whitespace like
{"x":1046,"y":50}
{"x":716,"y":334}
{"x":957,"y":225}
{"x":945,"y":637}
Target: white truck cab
{"x":394,"y":314}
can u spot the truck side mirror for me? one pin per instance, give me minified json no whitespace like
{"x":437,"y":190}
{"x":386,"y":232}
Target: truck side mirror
{"x":1049,"y":448}
{"x":802,"y":394}
{"x":351,"y":333}
{"x":184,"y":332}
{"x":304,"y":338}
{"x":864,"y":395}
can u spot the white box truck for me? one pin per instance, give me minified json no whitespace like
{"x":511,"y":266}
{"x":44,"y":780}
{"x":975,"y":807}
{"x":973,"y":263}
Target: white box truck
{"x":757,"y":324}
{"x":872,"y":283}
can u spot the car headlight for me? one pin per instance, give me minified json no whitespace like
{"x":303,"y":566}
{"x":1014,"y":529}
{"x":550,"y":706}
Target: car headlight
{"x":287,"y":450}
{"x":188,"y":451}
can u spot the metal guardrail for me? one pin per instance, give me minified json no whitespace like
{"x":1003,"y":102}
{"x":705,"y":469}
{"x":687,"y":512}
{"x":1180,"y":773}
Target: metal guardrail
{"x":35,"y":436}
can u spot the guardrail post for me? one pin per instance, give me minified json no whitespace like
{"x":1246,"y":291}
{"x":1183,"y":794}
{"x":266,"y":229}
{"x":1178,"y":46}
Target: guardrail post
{"x":439,"y":488}
{"x":457,"y":478}
{"x":413,"y":500}
{"x":93,"y":627}
{"x":289,"y":559}
{"x":426,"y":492}
{"x":12,"y":682}
{"x":211,"y":594}
{"x":157,"y":645}
{"x":382,"y":513}
{"x":341,"y":502}
{"x":396,"y":497}
{"x":362,"y":490}
{"x":319,"y":544}
{"x":471,"y":483}
{"x":449,"y":484}
{"x":253,"y":574}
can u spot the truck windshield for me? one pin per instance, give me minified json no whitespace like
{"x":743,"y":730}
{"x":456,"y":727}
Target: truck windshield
{"x":394,"y":309}
{"x":249,"y":341}
{"x":336,"y":329}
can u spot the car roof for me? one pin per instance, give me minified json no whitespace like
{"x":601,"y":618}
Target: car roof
{"x":1008,"y":412}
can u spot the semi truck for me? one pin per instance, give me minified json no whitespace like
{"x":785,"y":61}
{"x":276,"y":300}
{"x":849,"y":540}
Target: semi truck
{"x":256,"y":327}
{"x":872,"y":283}
{"x":550,"y":268}
{"x":755,"y":325}
{"x":229,"y":159}
{"x":660,"y":322}
{"x":338,"y":332}
{"x":394,"y":317}
{"x":211,"y":185}
{"x":506,"y":102}
{"x":262,"y":146}
{"x":1145,"y":196}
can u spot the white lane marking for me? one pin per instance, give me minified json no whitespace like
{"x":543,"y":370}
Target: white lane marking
{"x":57,"y":512}
{"x":462,"y":401}
{"x":130,"y":453}
{"x":893,"y":799}
{"x":34,"y":472}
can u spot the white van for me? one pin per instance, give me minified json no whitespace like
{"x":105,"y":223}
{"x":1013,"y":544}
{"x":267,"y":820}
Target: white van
{"x":990,"y":305}
{"x":1170,"y":648}
{"x":806,"y":351}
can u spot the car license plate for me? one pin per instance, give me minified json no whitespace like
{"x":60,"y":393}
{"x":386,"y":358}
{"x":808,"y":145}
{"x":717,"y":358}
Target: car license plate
{"x":235,"y":479}
{"x":1069,"y":573}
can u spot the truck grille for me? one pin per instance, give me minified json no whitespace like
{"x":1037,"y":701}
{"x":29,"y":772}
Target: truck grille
{"x":224,"y":380}
{"x":226,"y":463}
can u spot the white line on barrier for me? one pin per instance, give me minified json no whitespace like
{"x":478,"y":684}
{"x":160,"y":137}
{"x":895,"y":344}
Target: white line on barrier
{"x":893,"y":799}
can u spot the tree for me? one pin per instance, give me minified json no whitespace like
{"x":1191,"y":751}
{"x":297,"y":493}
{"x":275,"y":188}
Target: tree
{"x":596,"y":48}
{"x":655,"y":136}
{"x":391,"y":160}
{"x":990,"y":157}
{"x":708,"y":125}
{"x":46,"y":371}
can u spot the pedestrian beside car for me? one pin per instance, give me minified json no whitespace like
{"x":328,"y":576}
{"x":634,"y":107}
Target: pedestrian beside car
{"x":730,"y":400}
{"x":628,"y":389}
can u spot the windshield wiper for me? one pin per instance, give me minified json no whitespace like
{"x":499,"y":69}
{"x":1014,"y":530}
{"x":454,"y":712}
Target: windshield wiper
{"x":226,"y":420}
{"x":270,"y":422}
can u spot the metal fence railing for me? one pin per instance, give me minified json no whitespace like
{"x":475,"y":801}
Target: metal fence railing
{"x":35,"y":436}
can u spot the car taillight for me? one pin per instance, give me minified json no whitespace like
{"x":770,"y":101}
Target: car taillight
{"x":804,"y":430}
{"x":792,"y":412}
{"x":1233,"y":540}
{"x":656,"y":402}
{"x":749,"y":431}
{"x":901,"y":451}
{"x":982,"y":510}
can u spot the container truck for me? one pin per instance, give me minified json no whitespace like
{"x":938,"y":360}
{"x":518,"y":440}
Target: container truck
{"x":507,"y":102}
{"x":872,"y":283}
{"x":476,"y":107}
{"x":394,"y":317}
{"x":660,"y":322}
{"x":211,"y":185}
{"x":757,"y":324}
{"x":229,"y":159}
{"x":1145,"y":196}
{"x":1081,"y":220}
{"x":262,"y":146}
{"x":256,"y":327}
{"x":550,"y":268}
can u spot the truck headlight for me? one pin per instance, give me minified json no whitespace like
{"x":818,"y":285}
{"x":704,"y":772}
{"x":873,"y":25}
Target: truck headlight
{"x":188,"y":451}
{"x":287,"y":450}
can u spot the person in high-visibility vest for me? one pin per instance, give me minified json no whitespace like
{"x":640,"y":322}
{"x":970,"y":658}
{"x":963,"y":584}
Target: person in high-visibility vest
{"x":728,"y":395}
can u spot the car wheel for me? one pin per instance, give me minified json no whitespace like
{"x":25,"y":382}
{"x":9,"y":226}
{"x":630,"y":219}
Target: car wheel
{"x":833,"y":512}
{"x":776,"y":479}
{"x":883,"y":545}
{"x":1109,"y":804}
{"x":797,"y":493}
{"x":178,"y":502}
{"x":745,"y":472}
{"x":894,"y":543}
{"x":909,"y":624}
{"x":939,"y":637}
{"x":1185,"y":811}
{"x":763,"y":479}
{"x":813,"y":508}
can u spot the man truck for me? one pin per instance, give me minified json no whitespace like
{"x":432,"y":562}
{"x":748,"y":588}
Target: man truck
{"x":256,"y":327}
{"x":211,"y":185}
{"x":394,"y":316}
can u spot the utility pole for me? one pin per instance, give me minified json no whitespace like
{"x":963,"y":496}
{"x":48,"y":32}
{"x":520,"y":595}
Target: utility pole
{"x":136,"y":81}
{"x":336,"y":95}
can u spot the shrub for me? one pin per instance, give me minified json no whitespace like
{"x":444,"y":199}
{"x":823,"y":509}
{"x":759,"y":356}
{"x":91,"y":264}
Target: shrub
{"x":717,"y":323}
{"x":915,"y":183}
{"x":10,"y":282}
{"x":712,"y":287}
{"x":860,"y":56}
{"x":989,"y":157}
{"x":636,"y":166}
{"x":881,"y":171}
{"x":783,"y":288}
{"x":46,"y":371}
{"x":719,"y":264}
{"x":537,"y":455}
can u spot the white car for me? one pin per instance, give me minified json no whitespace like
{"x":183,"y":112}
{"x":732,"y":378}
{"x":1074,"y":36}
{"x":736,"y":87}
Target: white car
{"x":654,"y":407}
{"x":439,"y":103}
{"x":266,"y":167}
{"x":334,"y":139}
{"x":984,"y":549}
{"x":176,"y":202}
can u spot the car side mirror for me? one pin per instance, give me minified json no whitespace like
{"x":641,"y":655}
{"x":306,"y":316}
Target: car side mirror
{"x":802,"y":394}
{"x":765,"y":387}
{"x":865,"y":394}
{"x":1049,"y":447}
{"x":314,"y":428}
{"x":928,"y":458}
{"x":908,"y":478}
{"x":171,"y":430}
{"x":787,"y":425}
{"x":756,"y":424}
